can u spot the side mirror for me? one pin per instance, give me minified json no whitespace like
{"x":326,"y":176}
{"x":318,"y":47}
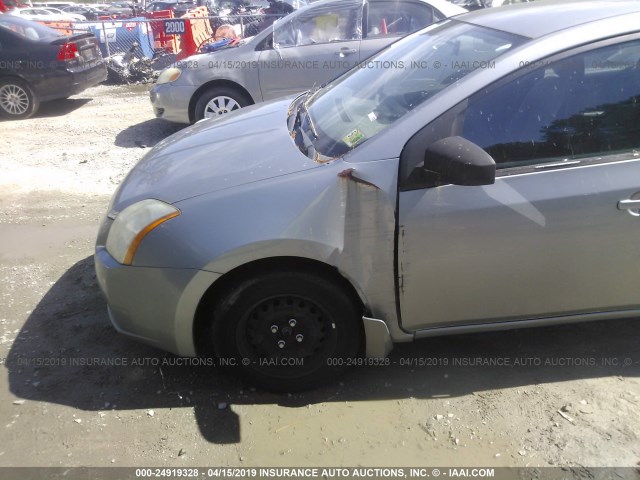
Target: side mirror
{"x":457,"y":161}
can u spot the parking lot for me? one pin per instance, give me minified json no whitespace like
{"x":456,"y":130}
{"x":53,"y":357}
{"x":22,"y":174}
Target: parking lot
{"x":79,"y":394}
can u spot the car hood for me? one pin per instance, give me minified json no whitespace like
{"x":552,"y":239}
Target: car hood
{"x":249,"y":145}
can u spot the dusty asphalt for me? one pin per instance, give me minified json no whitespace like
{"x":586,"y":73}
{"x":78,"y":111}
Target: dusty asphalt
{"x":60,"y":406}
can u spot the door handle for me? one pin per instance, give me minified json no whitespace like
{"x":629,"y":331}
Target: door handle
{"x":628,"y":204}
{"x":632,"y":206}
{"x":343,"y":52}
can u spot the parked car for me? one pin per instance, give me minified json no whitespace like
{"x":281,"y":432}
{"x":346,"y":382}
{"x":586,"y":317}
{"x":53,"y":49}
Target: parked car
{"x":40,"y":15}
{"x":89,"y":13}
{"x":179,"y":8}
{"x":481,"y":174}
{"x":118,"y":11}
{"x":275,"y":9}
{"x":311,"y":46}
{"x":264,"y":5}
{"x":249,"y":18}
{"x":227,"y":7}
{"x":57,"y":4}
{"x":256,"y":7}
{"x":38,"y":64}
{"x":67,"y":15}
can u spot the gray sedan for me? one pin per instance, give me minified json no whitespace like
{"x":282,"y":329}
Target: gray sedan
{"x":481,"y":174}
{"x":308,"y":47}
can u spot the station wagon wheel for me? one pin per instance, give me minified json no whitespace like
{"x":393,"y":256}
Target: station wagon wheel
{"x":17,"y":101}
{"x":287,"y":331}
{"x":219,"y":106}
{"x":218,"y":101}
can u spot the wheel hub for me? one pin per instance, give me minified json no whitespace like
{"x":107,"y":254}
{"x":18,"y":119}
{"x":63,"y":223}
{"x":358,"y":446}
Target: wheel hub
{"x":14,"y":99}
{"x":286,"y":326}
{"x":220,"y":105}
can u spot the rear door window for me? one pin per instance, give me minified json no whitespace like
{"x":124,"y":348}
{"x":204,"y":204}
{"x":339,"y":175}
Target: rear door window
{"x":388,"y":18}
{"x":326,"y":24}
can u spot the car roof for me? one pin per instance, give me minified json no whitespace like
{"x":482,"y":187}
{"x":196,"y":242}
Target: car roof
{"x":543,"y":17}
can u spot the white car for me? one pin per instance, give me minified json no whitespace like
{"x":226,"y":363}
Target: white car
{"x":75,"y":16}
{"x":41,"y":14}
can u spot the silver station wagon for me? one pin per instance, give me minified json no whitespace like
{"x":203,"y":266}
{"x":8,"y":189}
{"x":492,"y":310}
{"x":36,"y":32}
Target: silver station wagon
{"x":307,"y":48}
{"x":481,"y":174}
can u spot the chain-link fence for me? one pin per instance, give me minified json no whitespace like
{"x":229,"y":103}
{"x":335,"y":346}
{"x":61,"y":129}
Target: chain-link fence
{"x":181,"y":37}
{"x":137,"y":49}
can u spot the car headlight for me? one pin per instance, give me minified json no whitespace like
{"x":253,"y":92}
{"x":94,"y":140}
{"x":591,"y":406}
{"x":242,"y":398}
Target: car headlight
{"x":169,"y":75}
{"x":133,"y":223}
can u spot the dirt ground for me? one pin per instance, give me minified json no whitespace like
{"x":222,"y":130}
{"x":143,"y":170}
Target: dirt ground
{"x":561,"y":396}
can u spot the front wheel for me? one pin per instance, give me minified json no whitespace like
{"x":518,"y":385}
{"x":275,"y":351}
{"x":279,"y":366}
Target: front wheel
{"x":17,"y":100}
{"x":219,"y":101}
{"x":287,"y":331}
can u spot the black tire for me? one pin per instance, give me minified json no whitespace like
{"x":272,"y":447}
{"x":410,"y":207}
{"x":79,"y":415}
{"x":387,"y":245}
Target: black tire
{"x":17,"y":100}
{"x":328,"y":319}
{"x":240,"y":99}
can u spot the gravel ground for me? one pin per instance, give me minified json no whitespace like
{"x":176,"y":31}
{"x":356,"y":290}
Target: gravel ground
{"x":570,"y":395}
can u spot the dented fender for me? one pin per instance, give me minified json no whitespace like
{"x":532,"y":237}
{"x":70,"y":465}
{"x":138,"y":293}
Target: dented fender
{"x":339,"y":214}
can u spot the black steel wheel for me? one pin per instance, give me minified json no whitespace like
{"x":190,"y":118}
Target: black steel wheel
{"x":287,"y":331}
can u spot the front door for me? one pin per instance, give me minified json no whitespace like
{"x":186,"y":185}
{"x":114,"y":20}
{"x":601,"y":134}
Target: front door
{"x":556,"y":234}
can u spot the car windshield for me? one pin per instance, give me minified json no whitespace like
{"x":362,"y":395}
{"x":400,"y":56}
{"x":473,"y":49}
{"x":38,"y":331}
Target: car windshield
{"x":384,"y":88}
{"x":26,"y":28}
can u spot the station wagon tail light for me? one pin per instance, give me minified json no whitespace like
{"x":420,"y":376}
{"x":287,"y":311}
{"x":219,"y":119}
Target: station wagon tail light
{"x":68,"y":51}
{"x":134,"y":223}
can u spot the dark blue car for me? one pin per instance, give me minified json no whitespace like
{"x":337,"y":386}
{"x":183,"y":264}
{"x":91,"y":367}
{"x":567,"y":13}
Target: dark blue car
{"x":38,"y":64}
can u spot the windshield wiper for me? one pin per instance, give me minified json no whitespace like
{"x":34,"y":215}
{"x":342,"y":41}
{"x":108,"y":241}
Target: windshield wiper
{"x":312,"y":127}
{"x":300,"y":138}
{"x":302,"y":129}
{"x":312,"y":92}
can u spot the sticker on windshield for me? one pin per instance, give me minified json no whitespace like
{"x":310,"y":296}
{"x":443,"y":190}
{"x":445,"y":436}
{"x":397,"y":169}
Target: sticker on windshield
{"x":354,"y":137}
